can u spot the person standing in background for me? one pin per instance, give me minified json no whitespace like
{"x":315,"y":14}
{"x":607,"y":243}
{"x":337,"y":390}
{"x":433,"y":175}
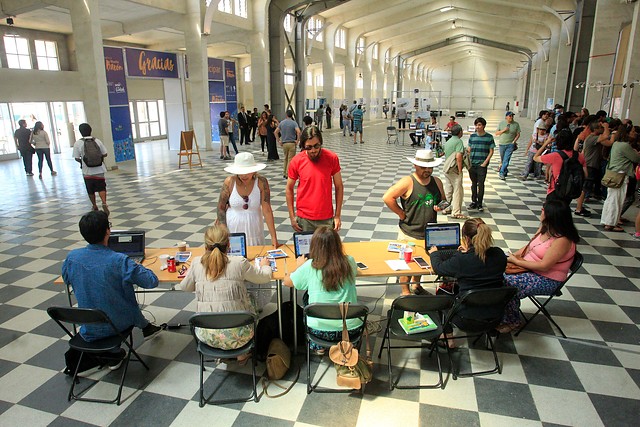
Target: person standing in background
{"x":253,"y":123}
{"x":328,"y":112}
{"x":288,"y":134}
{"x":508,"y":133}
{"x":40,"y":139}
{"x":22,"y":136}
{"x":320,"y":116}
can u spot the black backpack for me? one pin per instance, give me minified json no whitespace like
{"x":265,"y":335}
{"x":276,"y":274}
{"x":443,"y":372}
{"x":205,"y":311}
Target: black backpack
{"x":569,"y":183}
{"x":92,"y":154}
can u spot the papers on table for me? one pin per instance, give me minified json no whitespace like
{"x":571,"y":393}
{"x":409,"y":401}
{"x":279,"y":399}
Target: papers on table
{"x":398,"y":264}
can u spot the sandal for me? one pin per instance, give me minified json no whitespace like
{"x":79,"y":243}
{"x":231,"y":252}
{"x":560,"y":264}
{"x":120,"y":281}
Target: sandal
{"x":242,"y":360}
{"x":459,"y":216}
{"x":615,"y":229}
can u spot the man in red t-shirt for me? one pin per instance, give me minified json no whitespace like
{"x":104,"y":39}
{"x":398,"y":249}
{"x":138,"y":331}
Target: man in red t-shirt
{"x":315,"y":168}
{"x":564,"y":141}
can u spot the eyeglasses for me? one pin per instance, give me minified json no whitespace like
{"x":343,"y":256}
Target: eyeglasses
{"x":246,"y":202}
{"x":312,"y":147}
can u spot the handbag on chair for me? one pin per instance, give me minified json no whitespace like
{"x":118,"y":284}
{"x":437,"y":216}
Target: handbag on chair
{"x":343,"y":353}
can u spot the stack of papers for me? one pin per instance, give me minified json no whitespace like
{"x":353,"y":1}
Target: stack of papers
{"x":397,"y":264}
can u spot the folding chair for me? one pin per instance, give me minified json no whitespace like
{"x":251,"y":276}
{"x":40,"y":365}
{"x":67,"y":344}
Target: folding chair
{"x":227,"y":320}
{"x":331,"y":312}
{"x":188,"y":149}
{"x":433,"y":305}
{"x":575,"y":266}
{"x":419,"y":136}
{"x":392,"y":135}
{"x":87,"y":316}
{"x":478,"y":312}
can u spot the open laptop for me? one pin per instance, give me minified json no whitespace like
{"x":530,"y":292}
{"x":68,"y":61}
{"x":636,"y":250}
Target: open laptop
{"x":443,"y":236}
{"x":128,"y":242}
{"x":302,"y":242}
{"x":237,"y":244}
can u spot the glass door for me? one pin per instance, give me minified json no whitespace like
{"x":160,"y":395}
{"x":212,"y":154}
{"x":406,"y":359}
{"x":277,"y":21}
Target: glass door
{"x":7,"y":143}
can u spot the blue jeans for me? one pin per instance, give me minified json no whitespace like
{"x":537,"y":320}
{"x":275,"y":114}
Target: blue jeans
{"x":506,"y":151}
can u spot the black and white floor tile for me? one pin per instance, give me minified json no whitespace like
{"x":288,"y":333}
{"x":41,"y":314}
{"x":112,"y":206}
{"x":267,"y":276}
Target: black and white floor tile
{"x":590,"y":378}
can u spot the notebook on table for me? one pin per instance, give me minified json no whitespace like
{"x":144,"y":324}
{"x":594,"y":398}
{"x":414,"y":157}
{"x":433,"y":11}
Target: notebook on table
{"x":237,"y":244}
{"x":128,"y":242}
{"x":443,"y":236}
{"x":302,"y":242}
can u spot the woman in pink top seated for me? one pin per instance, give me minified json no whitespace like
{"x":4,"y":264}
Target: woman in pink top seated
{"x":548,"y":256}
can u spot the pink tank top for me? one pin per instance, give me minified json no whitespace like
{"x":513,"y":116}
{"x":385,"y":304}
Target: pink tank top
{"x":537,"y":249}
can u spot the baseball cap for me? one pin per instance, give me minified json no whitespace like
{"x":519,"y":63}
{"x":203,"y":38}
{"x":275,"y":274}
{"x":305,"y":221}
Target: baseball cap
{"x":509,"y":113}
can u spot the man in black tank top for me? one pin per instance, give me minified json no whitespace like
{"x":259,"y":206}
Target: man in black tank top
{"x":419,"y":195}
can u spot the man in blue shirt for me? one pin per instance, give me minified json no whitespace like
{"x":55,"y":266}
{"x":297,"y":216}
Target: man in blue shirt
{"x":358,"y":116}
{"x":102,"y":278}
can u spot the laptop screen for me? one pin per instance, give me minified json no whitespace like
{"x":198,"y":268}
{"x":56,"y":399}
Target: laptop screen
{"x":302,"y":243}
{"x":442,"y":236}
{"x":128,"y":242}
{"x":237,"y":244}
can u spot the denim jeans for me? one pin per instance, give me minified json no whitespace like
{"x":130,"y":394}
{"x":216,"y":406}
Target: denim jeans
{"x":478,"y":175}
{"x":506,"y":151}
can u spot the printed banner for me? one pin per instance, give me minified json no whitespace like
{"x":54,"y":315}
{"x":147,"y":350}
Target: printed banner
{"x":216,"y":92}
{"x":230,"y":81}
{"x":116,"y":78}
{"x":215,"y":110}
{"x":215,"y":69}
{"x":149,"y":63}
{"x":121,"y":131}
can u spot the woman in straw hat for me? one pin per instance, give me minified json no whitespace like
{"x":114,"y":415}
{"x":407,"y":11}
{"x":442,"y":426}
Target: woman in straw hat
{"x":245,"y":201}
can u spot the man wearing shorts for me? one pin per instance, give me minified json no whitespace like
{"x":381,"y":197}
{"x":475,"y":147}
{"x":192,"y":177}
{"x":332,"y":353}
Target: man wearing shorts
{"x":223,"y":130}
{"x":358,"y":115}
{"x":94,"y":179}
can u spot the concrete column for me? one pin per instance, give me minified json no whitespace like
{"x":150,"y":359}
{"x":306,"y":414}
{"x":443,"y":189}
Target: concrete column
{"x":606,"y":28}
{"x":350,"y":77}
{"x":260,"y":70}
{"x":85,"y":20}
{"x":380,"y":84}
{"x":543,"y":71}
{"x":552,"y":67}
{"x":200,"y":119}
{"x":562,"y":65}
{"x":365,"y":66}
{"x":328,"y":64}
{"x":631,"y":95}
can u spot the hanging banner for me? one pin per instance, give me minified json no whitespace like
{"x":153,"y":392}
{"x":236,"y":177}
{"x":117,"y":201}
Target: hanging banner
{"x":230,"y":81}
{"x":149,"y":63}
{"x":214,"y":67}
{"x":121,"y":131}
{"x":216,"y":92}
{"x":116,"y":78}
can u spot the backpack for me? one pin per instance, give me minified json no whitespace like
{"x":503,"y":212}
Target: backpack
{"x":72,"y":357}
{"x":569,"y":183}
{"x":92,"y":154}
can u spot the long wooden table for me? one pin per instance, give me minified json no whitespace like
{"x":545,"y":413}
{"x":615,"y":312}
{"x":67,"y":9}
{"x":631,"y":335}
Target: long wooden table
{"x":373,"y":254}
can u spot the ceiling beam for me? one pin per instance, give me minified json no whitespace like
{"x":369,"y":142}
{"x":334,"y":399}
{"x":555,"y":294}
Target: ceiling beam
{"x":168,"y":19}
{"x":467,"y":39}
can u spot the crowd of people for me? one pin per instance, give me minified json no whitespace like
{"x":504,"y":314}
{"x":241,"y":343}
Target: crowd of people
{"x":314,"y":197}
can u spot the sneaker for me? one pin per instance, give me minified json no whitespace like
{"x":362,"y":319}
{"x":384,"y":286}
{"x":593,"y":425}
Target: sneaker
{"x":151,"y":331}
{"x":480,"y":209}
{"x":502,"y":177}
{"x":522,"y":177}
{"x":105,"y":208}
{"x":115,"y":362}
{"x":227,"y":158}
{"x":472,"y":206}
{"x":29,"y":174}
{"x":222,"y":157}
{"x":584,"y":212}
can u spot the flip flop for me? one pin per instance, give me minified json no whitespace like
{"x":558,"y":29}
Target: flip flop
{"x":615,"y":229}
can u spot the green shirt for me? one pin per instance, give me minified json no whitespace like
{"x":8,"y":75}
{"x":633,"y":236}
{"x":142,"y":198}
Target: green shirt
{"x":508,"y":137}
{"x":307,"y":278}
{"x":622,"y":158}
{"x":453,"y":145}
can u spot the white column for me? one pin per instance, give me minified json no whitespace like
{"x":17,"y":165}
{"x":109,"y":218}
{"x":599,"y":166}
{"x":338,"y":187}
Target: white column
{"x":631,"y":96}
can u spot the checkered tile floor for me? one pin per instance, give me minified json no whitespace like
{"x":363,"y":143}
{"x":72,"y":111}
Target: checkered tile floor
{"x":590,"y":378}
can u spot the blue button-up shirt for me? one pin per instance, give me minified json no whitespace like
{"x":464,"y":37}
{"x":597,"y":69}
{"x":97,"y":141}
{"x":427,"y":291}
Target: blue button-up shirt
{"x":102,"y":278}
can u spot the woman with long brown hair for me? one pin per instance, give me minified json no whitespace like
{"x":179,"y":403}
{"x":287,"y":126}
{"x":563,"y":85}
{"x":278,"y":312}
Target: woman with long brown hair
{"x":219,"y":284}
{"x":328,"y":276}
{"x":262,"y":129}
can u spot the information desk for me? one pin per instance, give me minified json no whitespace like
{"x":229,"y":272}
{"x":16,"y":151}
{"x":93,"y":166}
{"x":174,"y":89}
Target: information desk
{"x":372,"y":254}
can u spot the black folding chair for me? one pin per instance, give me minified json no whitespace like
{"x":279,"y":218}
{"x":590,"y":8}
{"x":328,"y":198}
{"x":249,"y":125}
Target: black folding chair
{"x":332,"y":312}
{"x":432,"y":305}
{"x":578,"y":259}
{"x":228,"y":320}
{"x":392,"y":135}
{"x":87,"y":316}
{"x":478,"y":312}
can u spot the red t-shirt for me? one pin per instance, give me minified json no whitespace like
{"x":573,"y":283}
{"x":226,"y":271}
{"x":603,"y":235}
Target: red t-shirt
{"x":314,"y":194}
{"x":555,"y":160}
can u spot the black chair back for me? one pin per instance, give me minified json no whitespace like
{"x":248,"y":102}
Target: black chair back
{"x":79,"y":316}
{"x":332,"y":311}
{"x":479,"y":310}
{"x":422,"y":303}
{"x":226,"y":320}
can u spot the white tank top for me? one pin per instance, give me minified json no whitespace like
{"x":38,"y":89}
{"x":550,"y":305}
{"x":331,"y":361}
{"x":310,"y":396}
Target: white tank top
{"x":248,"y":221}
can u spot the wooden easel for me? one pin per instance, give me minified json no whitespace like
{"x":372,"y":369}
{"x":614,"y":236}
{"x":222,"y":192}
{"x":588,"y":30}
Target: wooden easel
{"x":187,"y":143}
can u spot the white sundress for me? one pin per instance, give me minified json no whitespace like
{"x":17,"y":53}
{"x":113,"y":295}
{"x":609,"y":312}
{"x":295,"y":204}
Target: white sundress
{"x":248,"y":221}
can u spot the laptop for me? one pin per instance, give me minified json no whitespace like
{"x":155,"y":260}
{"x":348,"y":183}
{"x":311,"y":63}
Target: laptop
{"x":443,"y":236}
{"x":237,"y":244}
{"x":302,"y":243}
{"x":128,"y":242}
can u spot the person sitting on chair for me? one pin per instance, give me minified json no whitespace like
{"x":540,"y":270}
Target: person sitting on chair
{"x":328,"y":276}
{"x":547,"y":258}
{"x":104,"y":279}
{"x":219,"y":283}
{"x":417,"y":139}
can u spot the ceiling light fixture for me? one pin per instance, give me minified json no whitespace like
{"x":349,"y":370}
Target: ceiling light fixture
{"x":447,"y":9}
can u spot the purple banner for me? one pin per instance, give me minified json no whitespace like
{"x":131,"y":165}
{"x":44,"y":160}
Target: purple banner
{"x":230,"y":81}
{"x":116,"y":78}
{"x":121,"y":131}
{"x":216,"y":92}
{"x":214,"y":67}
{"x":149,"y":63}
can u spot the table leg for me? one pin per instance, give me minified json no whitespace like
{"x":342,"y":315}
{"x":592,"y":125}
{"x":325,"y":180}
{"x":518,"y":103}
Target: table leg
{"x":295,"y":321}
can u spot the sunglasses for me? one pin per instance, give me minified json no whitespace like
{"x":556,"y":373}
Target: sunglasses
{"x":246,"y":202}
{"x":312,"y":147}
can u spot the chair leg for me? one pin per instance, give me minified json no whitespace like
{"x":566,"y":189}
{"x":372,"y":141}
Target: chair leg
{"x":389,"y":368}
{"x":309,"y":385}
{"x":201,"y":380}
{"x":253,"y":373}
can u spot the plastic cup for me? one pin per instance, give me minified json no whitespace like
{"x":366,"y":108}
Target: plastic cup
{"x":182,"y":246}
{"x":408,"y":254}
{"x":163,"y":261}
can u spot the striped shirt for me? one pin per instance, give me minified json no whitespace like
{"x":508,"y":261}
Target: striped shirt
{"x":480,"y":146}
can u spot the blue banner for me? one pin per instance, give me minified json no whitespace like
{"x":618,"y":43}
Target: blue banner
{"x":116,"y":78}
{"x":215,"y":110}
{"x":214,"y":67}
{"x":149,"y":63}
{"x":121,"y":131}
{"x":216,"y":92}
{"x":230,"y":81}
